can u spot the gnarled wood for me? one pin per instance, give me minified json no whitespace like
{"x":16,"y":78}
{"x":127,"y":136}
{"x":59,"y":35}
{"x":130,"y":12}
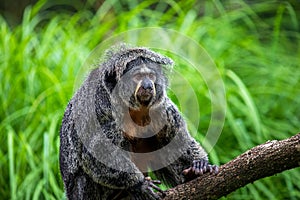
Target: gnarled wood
{"x":261,"y":161}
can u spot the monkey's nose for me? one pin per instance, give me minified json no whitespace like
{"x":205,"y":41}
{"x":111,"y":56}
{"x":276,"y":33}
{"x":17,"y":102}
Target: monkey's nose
{"x":146,"y":84}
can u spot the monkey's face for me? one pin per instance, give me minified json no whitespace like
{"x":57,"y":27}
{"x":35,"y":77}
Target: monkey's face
{"x":144,"y":79}
{"x":143,"y":84}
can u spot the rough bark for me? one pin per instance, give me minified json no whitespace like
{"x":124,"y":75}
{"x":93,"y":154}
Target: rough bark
{"x":261,"y":161}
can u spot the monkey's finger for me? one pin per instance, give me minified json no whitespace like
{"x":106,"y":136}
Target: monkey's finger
{"x":204,"y":163}
{"x":187,"y":171}
{"x":205,"y":168}
{"x":209,"y":168}
{"x":200,"y":172}
{"x":197,"y":168}
{"x":215,"y":169}
{"x":156,"y":182}
{"x":156,"y":187}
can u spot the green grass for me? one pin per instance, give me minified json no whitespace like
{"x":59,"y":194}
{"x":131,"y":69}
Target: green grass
{"x":255,"y":47}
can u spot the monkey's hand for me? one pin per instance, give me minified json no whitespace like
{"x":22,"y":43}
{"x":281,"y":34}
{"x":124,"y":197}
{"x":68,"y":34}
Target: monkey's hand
{"x":198,"y":168}
{"x":145,"y":190}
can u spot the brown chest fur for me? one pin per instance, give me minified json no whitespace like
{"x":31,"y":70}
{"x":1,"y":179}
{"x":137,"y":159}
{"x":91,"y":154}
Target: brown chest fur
{"x":139,"y":144}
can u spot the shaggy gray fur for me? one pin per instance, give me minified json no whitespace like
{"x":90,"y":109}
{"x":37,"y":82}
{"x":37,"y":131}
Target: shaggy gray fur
{"x":95,"y":157}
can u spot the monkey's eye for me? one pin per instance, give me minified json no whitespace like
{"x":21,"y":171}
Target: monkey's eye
{"x":137,"y":77}
{"x":152,"y":76}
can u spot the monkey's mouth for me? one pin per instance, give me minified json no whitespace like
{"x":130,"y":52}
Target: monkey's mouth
{"x":144,"y":96}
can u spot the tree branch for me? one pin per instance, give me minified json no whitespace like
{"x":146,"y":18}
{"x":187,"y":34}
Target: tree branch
{"x":259,"y":162}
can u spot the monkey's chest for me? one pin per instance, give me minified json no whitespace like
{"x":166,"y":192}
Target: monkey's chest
{"x":141,"y":128}
{"x":141,"y":152}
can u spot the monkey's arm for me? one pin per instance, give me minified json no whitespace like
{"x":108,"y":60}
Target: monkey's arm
{"x":108,"y":165}
{"x":178,"y":131}
{"x":193,"y":160}
{"x":115,"y":170}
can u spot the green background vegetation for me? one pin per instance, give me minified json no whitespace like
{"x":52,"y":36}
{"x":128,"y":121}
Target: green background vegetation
{"x":254,"y":45}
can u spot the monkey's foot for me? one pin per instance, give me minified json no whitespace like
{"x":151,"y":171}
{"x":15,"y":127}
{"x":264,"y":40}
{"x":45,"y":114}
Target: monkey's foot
{"x":198,"y":168}
{"x":145,"y":190}
{"x":152,"y":184}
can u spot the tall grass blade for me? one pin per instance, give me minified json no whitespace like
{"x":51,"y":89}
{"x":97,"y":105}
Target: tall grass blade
{"x":11,"y":158}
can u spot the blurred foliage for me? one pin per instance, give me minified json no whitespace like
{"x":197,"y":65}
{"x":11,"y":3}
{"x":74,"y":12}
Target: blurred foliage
{"x":255,"y":44}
